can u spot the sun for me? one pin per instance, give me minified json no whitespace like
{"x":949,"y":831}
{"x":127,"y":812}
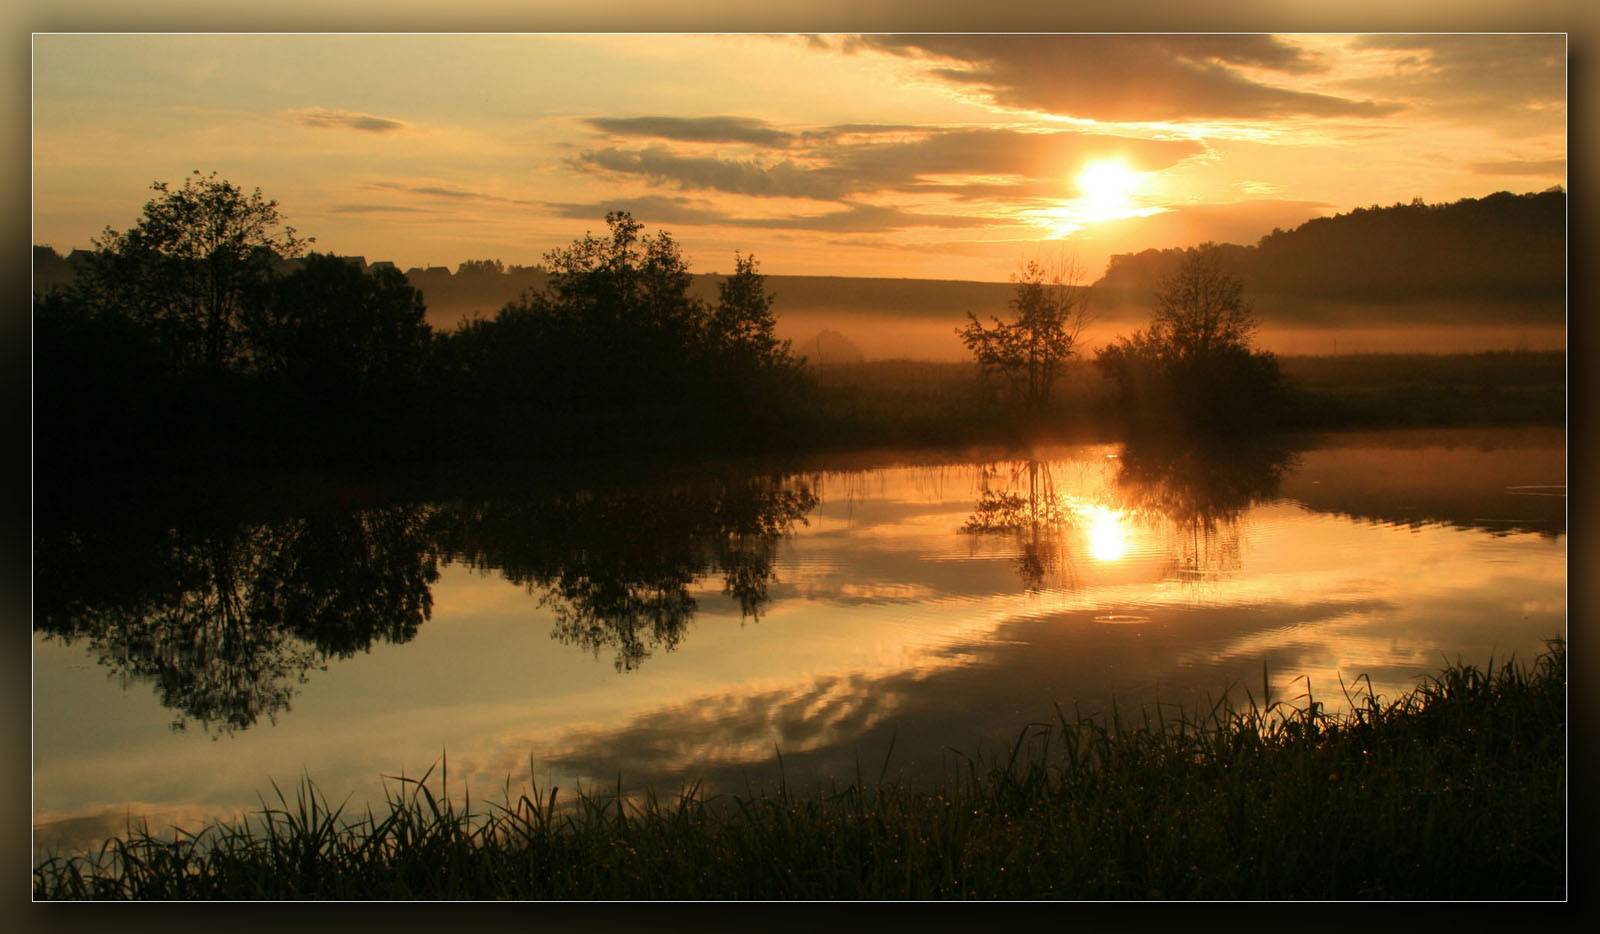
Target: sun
{"x":1108,"y":186}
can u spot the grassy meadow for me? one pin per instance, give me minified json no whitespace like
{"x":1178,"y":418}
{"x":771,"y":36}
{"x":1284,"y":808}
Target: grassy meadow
{"x":910,"y":401}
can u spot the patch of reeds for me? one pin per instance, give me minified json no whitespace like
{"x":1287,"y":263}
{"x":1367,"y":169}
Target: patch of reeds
{"x":1454,"y":791}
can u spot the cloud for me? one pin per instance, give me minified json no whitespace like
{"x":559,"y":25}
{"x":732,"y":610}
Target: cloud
{"x":652,"y":209}
{"x":1511,"y":82}
{"x":833,"y":170}
{"x":1539,"y":167}
{"x":745,"y":177}
{"x":696,"y":129}
{"x":1129,"y":78}
{"x":1005,"y":152}
{"x":439,"y":191}
{"x":344,"y":119}
{"x":867,"y":218}
{"x":374,"y":209}
{"x":855,"y":218}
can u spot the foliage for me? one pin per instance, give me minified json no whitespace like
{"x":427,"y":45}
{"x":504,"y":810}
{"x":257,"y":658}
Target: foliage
{"x":1193,"y":367}
{"x":198,"y":336}
{"x":617,"y":337}
{"x":199,"y":258}
{"x":334,"y":330}
{"x":1031,"y":350}
{"x":742,"y":324}
{"x":1455,"y":790}
{"x":481,"y":267}
{"x":1502,"y":247}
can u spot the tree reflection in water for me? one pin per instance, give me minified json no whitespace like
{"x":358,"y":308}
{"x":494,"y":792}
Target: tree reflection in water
{"x":617,"y":565}
{"x":227,"y":620}
{"x":1035,"y":519}
{"x":1199,"y":492}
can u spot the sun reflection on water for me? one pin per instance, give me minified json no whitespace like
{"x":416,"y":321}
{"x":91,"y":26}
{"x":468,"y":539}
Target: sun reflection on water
{"x":1108,"y":540}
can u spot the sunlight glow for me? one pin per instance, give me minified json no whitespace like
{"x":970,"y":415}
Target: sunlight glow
{"x":1108,"y":540}
{"x":1108,"y":186}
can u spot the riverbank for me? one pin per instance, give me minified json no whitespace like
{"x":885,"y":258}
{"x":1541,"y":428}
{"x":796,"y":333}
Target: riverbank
{"x":909,"y":402}
{"x":1454,"y":791}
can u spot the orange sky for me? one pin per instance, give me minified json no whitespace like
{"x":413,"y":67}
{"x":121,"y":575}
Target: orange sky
{"x":938,"y":156}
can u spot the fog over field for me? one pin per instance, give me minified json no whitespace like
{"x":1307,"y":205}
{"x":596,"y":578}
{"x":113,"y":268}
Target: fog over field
{"x":917,"y":318}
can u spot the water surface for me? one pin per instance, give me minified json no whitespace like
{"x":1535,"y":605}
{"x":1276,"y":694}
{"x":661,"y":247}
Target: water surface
{"x":656,"y":629}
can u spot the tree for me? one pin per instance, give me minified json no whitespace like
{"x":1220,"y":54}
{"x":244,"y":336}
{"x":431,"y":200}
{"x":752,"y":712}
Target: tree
{"x":197,"y":259}
{"x":742,"y":321}
{"x":481,"y":267}
{"x":628,"y":282}
{"x":1200,"y":309}
{"x":1031,"y":350}
{"x":1195,"y":363}
{"x":334,"y":331}
{"x":613,"y":347}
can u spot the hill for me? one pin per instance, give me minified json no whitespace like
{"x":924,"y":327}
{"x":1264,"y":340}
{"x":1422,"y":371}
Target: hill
{"x":1501,"y":258}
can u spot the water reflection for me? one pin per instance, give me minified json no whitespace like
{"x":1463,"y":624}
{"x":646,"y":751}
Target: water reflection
{"x":1108,"y":538}
{"x":226,"y":620}
{"x":1200,"y":492}
{"x":907,"y":601}
{"x":1020,"y":502}
{"x":617,"y":565}
{"x":1194,"y":495}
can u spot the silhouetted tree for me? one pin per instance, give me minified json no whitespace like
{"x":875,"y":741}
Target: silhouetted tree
{"x":1030,"y":351}
{"x":346,"y":352}
{"x":196,"y":260}
{"x":334,"y":330}
{"x":614,"y":349}
{"x":481,"y":267}
{"x":742,"y":322}
{"x":1501,"y":247}
{"x":1194,"y":364}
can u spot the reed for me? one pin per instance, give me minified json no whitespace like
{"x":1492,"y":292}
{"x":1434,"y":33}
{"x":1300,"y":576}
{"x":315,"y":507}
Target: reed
{"x":1455,"y":790}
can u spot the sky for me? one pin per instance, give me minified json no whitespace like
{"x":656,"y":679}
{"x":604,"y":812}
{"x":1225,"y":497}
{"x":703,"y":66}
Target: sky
{"x":942,"y":155}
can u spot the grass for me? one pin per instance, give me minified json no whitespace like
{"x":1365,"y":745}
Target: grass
{"x":1380,"y":390}
{"x":909,"y":401}
{"x":1454,"y":791}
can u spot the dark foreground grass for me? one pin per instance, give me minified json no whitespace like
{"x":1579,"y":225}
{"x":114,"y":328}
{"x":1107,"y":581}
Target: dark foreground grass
{"x":1455,"y":791}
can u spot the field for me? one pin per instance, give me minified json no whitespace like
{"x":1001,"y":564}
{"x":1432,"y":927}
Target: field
{"x":908,"y":401}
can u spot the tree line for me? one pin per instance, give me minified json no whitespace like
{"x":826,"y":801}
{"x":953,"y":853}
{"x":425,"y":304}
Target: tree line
{"x":210,"y":333}
{"x":1502,"y":247}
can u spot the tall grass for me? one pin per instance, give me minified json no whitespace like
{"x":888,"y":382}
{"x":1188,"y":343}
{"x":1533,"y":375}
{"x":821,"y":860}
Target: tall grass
{"x":1455,"y":790}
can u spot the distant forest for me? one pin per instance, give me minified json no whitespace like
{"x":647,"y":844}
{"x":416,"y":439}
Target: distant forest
{"x":1501,"y":248}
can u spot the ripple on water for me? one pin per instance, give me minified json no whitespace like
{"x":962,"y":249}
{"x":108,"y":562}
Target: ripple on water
{"x":1120,"y":619}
